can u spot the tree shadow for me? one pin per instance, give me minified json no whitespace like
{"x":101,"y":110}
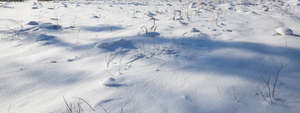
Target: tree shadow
{"x":38,"y":77}
{"x":115,"y":85}
{"x":244,"y":59}
{"x":206,"y":55}
{"x":102,"y":28}
{"x":296,"y":35}
{"x":199,"y":54}
{"x":55,"y":78}
{"x":262,"y":59}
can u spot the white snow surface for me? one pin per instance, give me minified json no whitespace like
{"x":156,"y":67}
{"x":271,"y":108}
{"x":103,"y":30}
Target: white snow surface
{"x":284,"y":31}
{"x":109,"y":56}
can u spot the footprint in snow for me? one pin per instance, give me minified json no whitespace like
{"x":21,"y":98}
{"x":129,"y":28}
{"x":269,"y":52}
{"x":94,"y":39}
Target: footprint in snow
{"x":33,"y":23}
{"x":53,"y":62}
{"x":73,"y":59}
{"x":107,"y":101}
{"x":112,"y":82}
{"x":187,"y":98}
{"x":195,"y":30}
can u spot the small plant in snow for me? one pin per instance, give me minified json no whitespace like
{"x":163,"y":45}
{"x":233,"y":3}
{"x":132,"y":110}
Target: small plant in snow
{"x":108,"y":60}
{"x":152,"y":30}
{"x":14,"y":32}
{"x":219,"y":12}
{"x":271,"y":84}
{"x":111,"y":67}
{"x":77,"y":107}
{"x":81,"y":106}
{"x":177,"y":15}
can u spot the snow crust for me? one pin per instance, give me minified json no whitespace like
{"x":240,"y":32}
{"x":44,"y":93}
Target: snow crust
{"x":149,"y":56}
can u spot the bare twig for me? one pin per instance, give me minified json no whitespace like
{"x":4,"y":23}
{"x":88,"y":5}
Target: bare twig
{"x":271,"y":85}
{"x":86,"y":103}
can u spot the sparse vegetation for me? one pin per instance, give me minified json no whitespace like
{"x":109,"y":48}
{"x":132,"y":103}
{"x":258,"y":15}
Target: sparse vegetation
{"x":77,"y":106}
{"x":154,"y":56}
{"x":271,"y":84}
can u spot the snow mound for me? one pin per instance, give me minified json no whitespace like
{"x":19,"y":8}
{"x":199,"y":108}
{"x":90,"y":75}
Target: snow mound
{"x":50,"y":26}
{"x":193,"y":5}
{"x":44,"y":37}
{"x":112,"y":82}
{"x":32,"y":23}
{"x":195,"y":30}
{"x":284,"y":31}
{"x":116,"y":45}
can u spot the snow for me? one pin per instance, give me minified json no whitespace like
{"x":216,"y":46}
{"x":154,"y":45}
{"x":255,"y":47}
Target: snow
{"x":149,"y":56}
{"x":284,"y":31}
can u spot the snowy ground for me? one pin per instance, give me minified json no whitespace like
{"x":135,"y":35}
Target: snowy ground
{"x":109,"y":56}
